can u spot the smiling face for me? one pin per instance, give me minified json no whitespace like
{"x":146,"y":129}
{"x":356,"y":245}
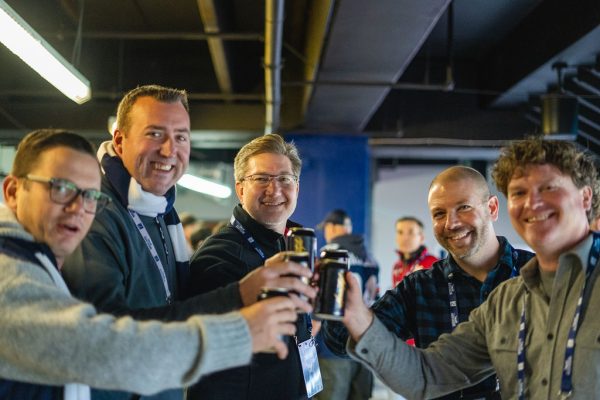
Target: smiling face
{"x":156,"y":147}
{"x":60,"y":226}
{"x":272,"y":205}
{"x":462,"y":218}
{"x":547,"y":210}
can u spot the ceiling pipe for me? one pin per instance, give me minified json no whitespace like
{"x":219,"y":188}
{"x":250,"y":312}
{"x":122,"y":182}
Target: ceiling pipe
{"x":273,"y":44}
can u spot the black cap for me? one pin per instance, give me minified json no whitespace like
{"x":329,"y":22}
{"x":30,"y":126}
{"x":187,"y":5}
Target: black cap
{"x":337,"y":217}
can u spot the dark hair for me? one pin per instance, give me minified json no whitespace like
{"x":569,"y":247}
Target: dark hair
{"x":579,"y":165}
{"x":270,"y":143}
{"x":160,"y":93}
{"x":412,"y":219}
{"x":36,"y":142}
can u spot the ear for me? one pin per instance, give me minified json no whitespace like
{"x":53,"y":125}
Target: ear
{"x":587,"y":195}
{"x":118,"y":142}
{"x":493,"y":206}
{"x":239,"y":190}
{"x":9,"y":189}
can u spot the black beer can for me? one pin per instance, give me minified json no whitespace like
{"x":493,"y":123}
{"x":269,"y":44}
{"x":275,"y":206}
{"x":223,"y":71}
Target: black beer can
{"x":267,"y":293}
{"x":332,"y":290}
{"x":340,"y":255}
{"x":302,"y":258}
{"x":303,"y":240}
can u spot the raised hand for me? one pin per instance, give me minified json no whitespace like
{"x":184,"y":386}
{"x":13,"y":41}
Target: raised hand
{"x":357,"y":316}
{"x":277,"y":273}
{"x":270,"y":320}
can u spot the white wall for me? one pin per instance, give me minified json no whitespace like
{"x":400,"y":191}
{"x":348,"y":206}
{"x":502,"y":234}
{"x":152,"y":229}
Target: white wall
{"x":403,"y":191}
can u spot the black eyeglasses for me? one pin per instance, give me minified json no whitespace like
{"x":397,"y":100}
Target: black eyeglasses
{"x":63,"y":191}
{"x":263,"y":180}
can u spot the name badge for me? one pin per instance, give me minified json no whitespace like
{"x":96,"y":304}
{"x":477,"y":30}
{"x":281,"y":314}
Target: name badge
{"x":310,"y":367}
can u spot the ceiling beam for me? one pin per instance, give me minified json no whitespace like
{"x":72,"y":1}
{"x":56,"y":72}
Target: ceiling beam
{"x":216,"y":46}
{"x":367,"y":44}
{"x":521,"y":63}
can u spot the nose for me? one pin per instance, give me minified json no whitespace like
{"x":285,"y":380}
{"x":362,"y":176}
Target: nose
{"x":167,"y":148}
{"x":452,"y":220}
{"x":533,"y":199}
{"x":75,"y":206}
{"x":273,"y":186}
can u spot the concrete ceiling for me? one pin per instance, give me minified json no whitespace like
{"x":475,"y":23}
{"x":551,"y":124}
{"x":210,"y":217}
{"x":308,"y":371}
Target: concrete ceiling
{"x":395,"y":70}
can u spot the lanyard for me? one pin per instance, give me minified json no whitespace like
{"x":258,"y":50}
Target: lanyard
{"x":566,"y":384}
{"x":142,"y":229}
{"x":452,"y":292}
{"x":237,"y":225}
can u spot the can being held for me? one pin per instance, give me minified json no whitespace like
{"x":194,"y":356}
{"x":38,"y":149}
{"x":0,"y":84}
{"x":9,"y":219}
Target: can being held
{"x":340,"y":255}
{"x":332,"y":290}
{"x":302,"y":258}
{"x":267,"y":293}
{"x":303,"y":240}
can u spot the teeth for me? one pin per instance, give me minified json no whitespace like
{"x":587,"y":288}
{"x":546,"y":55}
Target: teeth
{"x":163,"y":167}
{"x":457,"y":237}
{"x":537,"y":218}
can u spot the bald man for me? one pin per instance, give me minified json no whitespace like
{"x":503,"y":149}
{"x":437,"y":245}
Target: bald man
{"x":430,"y":302}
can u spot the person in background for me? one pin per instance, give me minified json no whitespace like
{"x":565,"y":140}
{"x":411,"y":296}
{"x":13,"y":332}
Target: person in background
{"x":267,"y":173}
{"x":345,"y":379}
{"x":539,"y":332}
{"x":49,"y":339}
{"x":190,"y":224}
{"x":199,"y":236}
{"x":134,"y":261}
{"x":430,"y":302}
{"x":410,"y":242}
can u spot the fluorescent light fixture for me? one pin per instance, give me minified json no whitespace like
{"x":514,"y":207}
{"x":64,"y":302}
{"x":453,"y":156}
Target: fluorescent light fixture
{"x":205,"y":186}
{"x":27,"y":44}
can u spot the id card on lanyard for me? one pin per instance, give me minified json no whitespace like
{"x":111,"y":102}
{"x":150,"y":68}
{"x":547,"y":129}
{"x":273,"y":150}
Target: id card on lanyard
{"x":306,"y":349}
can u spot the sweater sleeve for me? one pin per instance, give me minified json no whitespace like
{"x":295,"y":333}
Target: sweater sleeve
{"x":48,"y":337}
{"x":456,"y":361}
{"x":100,"y":271}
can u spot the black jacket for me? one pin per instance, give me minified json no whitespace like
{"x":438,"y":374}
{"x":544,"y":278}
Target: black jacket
{"x":227,"y":257}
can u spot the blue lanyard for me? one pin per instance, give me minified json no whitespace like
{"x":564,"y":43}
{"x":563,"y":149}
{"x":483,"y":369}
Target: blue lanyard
{"x":237,"y":225}
{"x":566,"y":384}
{"x":142,"y":229}
{"x":454,"y":321}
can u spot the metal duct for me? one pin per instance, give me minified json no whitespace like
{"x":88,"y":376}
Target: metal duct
{"x":273,"y":44}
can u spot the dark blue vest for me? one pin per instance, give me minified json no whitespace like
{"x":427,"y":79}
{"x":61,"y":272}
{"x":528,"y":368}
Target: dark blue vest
{"x":10,"y":390}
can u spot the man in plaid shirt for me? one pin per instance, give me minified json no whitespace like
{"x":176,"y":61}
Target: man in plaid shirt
{"x":430,"y":302}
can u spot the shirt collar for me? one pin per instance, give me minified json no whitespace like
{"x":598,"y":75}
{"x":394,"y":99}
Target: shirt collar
{"x":506,"y":260}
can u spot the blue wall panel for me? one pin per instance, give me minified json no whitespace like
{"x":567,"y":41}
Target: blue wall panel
{"x":335,"y":174}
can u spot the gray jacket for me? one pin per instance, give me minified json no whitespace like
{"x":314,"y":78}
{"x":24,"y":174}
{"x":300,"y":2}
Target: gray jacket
{"x":51,"y":338}
{"x":489,"y":340}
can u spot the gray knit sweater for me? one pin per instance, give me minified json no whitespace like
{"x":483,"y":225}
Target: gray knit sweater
{"x":49,"y":337}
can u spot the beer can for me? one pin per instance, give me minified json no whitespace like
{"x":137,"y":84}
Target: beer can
{"x":332,"y":290}
{"x":302,"y":258}
{"x":340,"y":255}
{"x":300,"y":239}
{"x":267,"y":293}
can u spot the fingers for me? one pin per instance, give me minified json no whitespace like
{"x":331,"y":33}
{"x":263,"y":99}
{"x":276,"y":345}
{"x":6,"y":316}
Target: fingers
{"x":281,"y":349}
{"x":269,"y":322}
{"x":300,"y":304}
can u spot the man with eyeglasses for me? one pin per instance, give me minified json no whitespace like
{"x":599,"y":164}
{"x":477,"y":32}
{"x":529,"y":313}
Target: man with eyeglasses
{"x":266,"y":172}
{"x":49,"y":339}
{"x":134,"y":261}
